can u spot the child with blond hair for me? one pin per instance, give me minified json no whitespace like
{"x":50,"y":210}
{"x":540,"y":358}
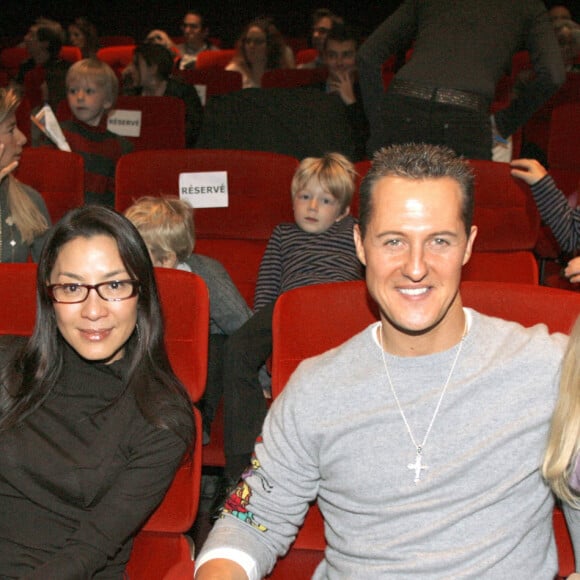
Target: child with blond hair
{"x":317,"y":248}
{"x":167,"y":226}
{"x":92,"y":88}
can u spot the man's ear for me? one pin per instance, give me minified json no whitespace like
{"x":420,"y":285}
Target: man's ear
{"x":469,"y":245}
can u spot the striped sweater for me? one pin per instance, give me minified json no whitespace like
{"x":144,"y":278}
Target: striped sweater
{"x":295,"y":258}
{"x":563,"y":220}
{"x":100,"y":150}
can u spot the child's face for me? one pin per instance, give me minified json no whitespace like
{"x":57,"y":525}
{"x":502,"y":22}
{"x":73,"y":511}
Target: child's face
{"x":315,"y":209}
{"x":87,"y":100}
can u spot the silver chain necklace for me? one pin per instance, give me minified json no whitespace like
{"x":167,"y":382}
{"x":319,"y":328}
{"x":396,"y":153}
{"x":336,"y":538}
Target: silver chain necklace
{"x":417,"y":467}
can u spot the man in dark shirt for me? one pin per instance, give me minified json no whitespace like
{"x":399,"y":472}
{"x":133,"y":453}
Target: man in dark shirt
{"x":443,"y":93}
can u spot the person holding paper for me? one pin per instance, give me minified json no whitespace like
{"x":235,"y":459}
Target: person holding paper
{"x":24,"y":219}
{"x":92,"y":89}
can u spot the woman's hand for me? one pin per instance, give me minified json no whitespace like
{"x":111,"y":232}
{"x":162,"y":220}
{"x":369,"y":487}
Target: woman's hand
{"x":4,"y":171}
{"x":529,"y":170}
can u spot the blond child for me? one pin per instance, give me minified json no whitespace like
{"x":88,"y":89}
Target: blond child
{"x":92,"y":88}
{"x":317,"y":248}
{"x":167,"y":226}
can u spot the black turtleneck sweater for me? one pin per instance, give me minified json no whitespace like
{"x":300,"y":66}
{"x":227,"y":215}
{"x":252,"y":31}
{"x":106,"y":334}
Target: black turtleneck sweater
{"x":79,"y":476}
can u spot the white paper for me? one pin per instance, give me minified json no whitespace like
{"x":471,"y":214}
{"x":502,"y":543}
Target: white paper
{"x":204,"y":189}
{"x":46,"y":121}
{"x":124,"y":122}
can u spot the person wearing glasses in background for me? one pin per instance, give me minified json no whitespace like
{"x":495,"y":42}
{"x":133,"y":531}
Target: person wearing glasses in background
{"x":93,"y":420}
{"x":260,"y":48}
{"x":195,"y":40}
{"x":323,"y":20}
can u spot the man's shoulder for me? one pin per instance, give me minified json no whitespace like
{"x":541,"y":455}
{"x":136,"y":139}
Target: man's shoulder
{"x":510,"y":336}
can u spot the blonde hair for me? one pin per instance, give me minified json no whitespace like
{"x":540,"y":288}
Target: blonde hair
{"x":24,"y":212}
{"x":564,"y":439}
{"x":166,"y":225}
{"x":335,"y":173}
{"x":97,"y":71}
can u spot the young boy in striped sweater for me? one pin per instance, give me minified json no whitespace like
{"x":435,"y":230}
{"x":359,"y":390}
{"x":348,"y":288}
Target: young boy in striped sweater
{"x":317,"y":248}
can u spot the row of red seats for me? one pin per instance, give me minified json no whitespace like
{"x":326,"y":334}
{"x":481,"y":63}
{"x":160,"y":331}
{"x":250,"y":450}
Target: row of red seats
{"x":259,"y":198}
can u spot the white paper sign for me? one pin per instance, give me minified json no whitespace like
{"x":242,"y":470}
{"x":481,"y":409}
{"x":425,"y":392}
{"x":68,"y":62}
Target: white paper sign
{"x":124,"y":122}
{"x":204,"y":189}
{"x":202,"y":93}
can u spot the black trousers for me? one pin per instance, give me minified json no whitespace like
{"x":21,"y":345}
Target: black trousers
{"x":245,"y":407}
{"x":408,"y":119}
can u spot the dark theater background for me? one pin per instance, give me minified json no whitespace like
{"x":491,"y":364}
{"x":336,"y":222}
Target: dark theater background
{"x":225,"y":17}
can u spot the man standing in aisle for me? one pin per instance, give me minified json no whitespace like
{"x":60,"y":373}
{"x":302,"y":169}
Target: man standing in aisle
{"x":442,"y":95}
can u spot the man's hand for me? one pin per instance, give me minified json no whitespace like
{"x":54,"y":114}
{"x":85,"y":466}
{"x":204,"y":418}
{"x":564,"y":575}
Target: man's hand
{"x":342,"y":84}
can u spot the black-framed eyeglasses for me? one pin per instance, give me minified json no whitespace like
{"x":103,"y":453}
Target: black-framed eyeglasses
{"x":111,"y":291}
{"x":193,"y":25}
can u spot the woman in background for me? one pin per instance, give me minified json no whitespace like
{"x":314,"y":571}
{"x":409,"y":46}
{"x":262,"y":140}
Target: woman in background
{"x":24,"y":219}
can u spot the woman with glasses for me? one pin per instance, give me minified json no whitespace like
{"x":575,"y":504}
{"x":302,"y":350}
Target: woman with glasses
{"x":260,"y":48}
{"x":24,"y":219}
{"x":93,"y":421}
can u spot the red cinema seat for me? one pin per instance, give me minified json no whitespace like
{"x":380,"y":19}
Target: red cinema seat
{"x":214,"y":58}
{"x":162,"y":120}
{"x":288,"y":78}
{"x":58,"y":175}
{"x":259,"y":199}
{"x":216,"y":81}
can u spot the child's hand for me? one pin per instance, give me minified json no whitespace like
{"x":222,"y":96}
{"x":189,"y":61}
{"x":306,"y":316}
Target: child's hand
{"x":530,"y":170}
{"x":572,"y":272}
{"x":4,"y":171}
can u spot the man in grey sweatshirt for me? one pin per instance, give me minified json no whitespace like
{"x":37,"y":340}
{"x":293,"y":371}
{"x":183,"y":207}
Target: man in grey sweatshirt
{"x":421,"y":436}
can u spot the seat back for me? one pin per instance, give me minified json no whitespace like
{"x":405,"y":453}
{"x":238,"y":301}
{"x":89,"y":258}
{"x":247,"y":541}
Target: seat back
{"x":162,"y":120}
{"x":214,"y":58}
{"x":306,"y":55}
{"x":117,"y":56}
{"x":215,"y":80}
{"x":563,"y":144}
{"x":59,"y":176}
{"x":335,"y":312}
{"x":259,"y":199}
{"x":287,"y":78}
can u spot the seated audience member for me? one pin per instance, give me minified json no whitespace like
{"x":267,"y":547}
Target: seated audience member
{"x":153,"y":65}
{"x":24,"y":219}
{"x":568,"y":35}
{"x":563,"y":220}
{"x":92,"y":88}
{"x":322,"y":22}
{"x":167,"y":226}
{"x":406,"y":433}
{"x":83,"y":35}
{"x":339,"y":55}
{"x":93,"y":421}
{"x":318,"y":247}
{"x":260,"y":48}
{"x":195,"y":32}
{"x":559,"y":12}
{"x":42,"y":76}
